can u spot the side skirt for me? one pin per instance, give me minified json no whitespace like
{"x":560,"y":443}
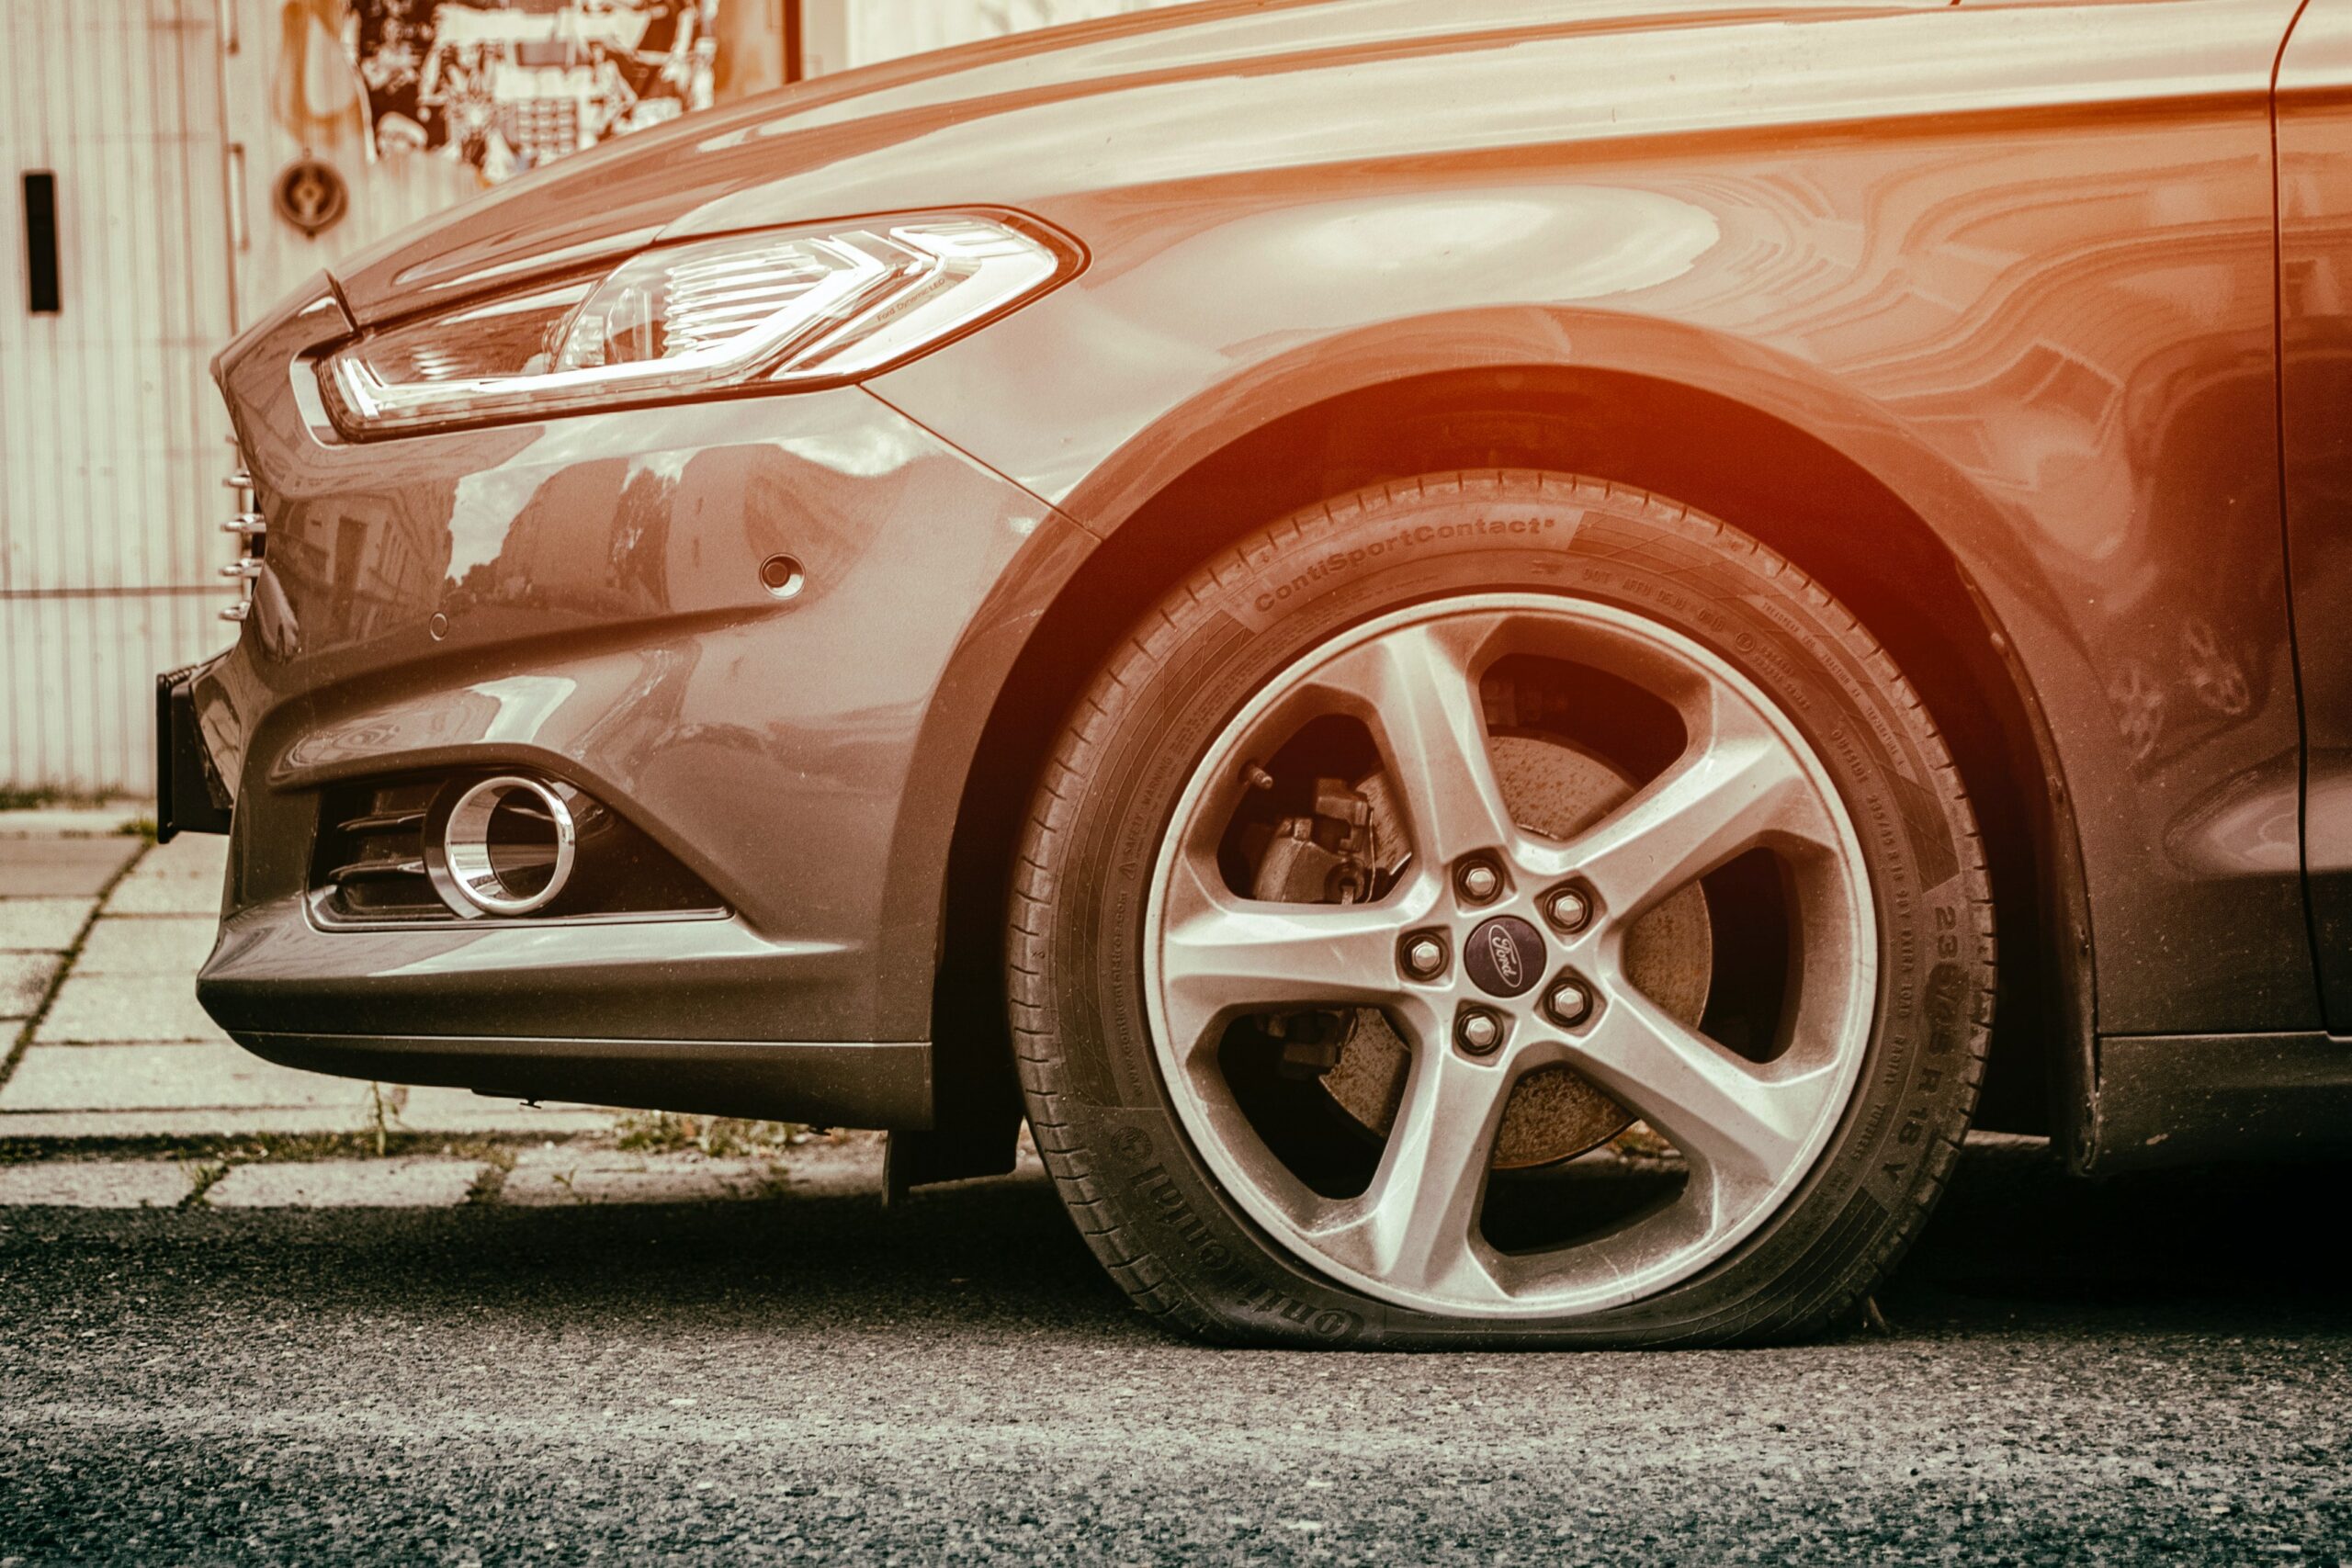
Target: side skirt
{"x":2178,"y":1099}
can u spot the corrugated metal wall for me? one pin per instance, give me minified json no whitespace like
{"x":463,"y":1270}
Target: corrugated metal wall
{"x":111,"y":443}
{"x":167,"y":122}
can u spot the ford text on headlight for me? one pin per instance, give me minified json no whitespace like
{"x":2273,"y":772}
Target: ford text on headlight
{"x":774,"y":310}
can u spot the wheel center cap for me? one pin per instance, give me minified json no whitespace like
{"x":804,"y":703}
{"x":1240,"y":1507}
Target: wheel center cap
{"x":1504,"y":956}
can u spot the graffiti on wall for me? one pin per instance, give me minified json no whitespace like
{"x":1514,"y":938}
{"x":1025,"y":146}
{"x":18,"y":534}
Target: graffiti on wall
{"x":507,"y":85}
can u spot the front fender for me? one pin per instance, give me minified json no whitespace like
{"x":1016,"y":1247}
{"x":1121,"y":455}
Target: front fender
{"x":2048,"y":333}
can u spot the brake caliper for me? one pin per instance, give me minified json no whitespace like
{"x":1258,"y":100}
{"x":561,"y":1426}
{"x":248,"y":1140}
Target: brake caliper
{"x":1324,"y":857}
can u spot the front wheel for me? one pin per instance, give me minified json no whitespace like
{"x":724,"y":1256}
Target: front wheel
{"x":1501,"y":910}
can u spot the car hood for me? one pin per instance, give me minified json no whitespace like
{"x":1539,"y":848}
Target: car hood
{"x":1137,"y":99}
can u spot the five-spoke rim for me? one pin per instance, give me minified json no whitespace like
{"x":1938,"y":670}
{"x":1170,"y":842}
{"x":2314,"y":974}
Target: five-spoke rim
{"x":1748,"y":1131}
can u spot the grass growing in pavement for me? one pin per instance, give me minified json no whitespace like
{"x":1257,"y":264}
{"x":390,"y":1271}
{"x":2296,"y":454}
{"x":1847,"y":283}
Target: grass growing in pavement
{"x":275,"y":1149}
{"x":203,"y":1179}
{"x":14,"y":800}
{"x":662,"y":1132}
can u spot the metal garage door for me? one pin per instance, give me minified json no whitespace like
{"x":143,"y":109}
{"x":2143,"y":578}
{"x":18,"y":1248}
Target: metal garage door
{"x":111,"y":441}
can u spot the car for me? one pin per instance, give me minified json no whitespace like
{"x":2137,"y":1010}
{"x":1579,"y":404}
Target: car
{"x":1434,"y":638}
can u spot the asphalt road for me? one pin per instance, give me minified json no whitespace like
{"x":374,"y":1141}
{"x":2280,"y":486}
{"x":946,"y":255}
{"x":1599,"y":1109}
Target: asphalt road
{"x":2152,"y":1369}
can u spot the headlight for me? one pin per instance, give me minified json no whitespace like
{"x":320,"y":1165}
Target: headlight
{"x":774,"y":310}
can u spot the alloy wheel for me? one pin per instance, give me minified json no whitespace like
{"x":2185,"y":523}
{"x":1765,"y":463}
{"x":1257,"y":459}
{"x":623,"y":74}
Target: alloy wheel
{"x":1499,"y":955}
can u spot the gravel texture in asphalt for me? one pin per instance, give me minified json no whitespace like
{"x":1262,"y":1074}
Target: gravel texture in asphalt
{"x":2152,"y":1369}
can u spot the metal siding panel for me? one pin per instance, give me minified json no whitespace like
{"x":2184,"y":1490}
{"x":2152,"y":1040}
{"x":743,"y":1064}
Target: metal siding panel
{"x":94,"y":654}
{"x":111,"y":440}
{"x":32,"y":454}
{"x":16,"y":325}
{"x":76,"y":684}
{"x":54,"y":696}
{"x":146,"y":169}
{"x":110,"y":372}
{"x":13,"y":673}
{"x":195,"y":317}
{"x":81,"y":203}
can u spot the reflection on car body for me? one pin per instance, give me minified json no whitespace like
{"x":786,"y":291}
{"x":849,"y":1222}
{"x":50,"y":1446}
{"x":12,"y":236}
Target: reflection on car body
{"x":1281,"y":498}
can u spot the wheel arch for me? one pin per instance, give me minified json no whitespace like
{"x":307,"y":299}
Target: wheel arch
{"x":1851,"y":531}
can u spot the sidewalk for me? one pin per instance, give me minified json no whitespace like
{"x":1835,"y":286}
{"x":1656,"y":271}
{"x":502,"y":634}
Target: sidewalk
{"x":118,"y":1091}
{"x":99,"y":944}
{"x":582,"y":1171}
{"x":101,"y":934}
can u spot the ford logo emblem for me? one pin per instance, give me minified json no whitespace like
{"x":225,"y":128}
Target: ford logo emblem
{"x":1504,"y":955}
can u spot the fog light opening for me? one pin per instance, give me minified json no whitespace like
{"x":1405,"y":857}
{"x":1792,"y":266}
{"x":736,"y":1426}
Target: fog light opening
{"x":505,"y":847}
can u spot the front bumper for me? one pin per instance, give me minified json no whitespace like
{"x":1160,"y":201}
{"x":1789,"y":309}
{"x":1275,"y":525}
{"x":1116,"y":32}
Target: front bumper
{"x":584,"y":598}
{"x":832,"y":1085}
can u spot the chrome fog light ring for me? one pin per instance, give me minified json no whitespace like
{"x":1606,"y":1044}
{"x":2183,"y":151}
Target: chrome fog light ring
{"x":471,"y":848}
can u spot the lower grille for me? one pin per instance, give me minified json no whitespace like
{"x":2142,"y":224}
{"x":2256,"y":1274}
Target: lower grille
{"x":373,"y":858}
{"x":370,"y":867}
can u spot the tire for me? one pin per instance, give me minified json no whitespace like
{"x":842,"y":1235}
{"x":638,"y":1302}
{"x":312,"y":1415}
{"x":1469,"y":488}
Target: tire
{"x":1190,"y":1140}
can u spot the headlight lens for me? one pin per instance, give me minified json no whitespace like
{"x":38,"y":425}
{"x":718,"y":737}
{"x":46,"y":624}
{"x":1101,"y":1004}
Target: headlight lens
{"x":769,"y":309}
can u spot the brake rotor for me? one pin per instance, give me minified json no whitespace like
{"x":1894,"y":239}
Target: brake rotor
{"x":1555,"y":1114}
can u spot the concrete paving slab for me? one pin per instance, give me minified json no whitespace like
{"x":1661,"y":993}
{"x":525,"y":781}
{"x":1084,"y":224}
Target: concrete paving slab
{"x":430,"y":1109}
{"x":24,"y":981}
{"x":216,"y":1087}
{"x":75,"y":821}
{"x":173,"y":896}
{"x":182,"y":877}
{"x":62,"y":868}
{"x":230,"y":1122}
{"x":831,"y":1167}
{"x":167,"y":1077}
{"x":161,"y":944}
{"x":564,"y":1175}
{"x":348,"y":1184}
{"x":45,"y":925}
{"x":127,"y":1008}
{"x":94,"y":1184}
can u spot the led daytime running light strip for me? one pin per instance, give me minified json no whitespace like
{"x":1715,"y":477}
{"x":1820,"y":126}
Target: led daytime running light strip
{"x":863,"y":294}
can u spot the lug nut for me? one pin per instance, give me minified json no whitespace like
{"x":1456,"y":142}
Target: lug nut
{"x":1479,"y":1032}
{"x":1424,"y":956}
{"x":1568,"y":909}
{"x":1480,"y":882}
{"x":1568,"y":1002}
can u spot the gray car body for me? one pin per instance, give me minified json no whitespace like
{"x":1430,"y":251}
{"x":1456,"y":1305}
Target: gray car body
{"x":1969,"y":309}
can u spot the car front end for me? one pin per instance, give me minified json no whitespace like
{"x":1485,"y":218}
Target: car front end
{"x":587,"y":732}
{"x":1171,"y":577}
